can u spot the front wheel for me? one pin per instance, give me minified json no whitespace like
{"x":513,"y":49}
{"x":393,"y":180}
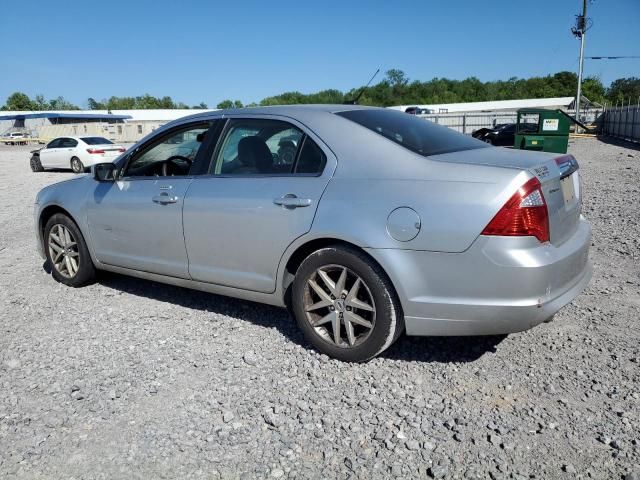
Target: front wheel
{"x":36,"y":165}
{"x":76,"y":165}
{"x":67,"y":252}
{"x":345,"y":304}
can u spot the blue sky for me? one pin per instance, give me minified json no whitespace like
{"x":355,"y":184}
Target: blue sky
{"x":212,"y":50}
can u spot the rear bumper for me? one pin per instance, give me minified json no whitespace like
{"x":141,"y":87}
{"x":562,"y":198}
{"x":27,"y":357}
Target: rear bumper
{"x":499,"y":285}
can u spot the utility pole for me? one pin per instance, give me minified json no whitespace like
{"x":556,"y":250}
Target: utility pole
{"x":579,"y":31}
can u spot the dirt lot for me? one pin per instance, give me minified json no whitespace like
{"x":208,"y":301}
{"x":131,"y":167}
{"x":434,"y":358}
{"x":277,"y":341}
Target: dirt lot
{"x":131,"y":379}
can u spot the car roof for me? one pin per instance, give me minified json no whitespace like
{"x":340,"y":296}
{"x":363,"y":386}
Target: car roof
{"x":285,"y":110}
{"x":80,"y":137}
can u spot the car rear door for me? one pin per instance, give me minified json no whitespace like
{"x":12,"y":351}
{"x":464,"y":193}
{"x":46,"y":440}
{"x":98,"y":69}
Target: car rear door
{"x":66,"y":151}
{"x":240,"y":218}
{"x":136,"y":221}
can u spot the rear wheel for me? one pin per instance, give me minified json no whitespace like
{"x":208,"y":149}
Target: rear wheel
{"x":36,"y":165}
{"x":67,"y":252}
{"x":345,"y":304}
{"x":76,"y":165}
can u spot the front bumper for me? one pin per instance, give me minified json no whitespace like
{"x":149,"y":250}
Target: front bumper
{"x":499,"y":285}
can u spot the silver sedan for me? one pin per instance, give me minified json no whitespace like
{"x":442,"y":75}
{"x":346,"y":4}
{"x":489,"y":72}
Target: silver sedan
{"x":364,"y":222}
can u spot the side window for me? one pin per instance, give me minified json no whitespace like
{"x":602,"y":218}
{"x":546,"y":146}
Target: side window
{"x":171,"y":155}
{"x":257,"y":147}
{"x":312,"y":159}
{"x":54,"y":143}
{"x":68,"y":143}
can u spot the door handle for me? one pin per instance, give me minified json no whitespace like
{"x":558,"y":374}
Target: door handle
{"x":164,"y":199}
{"x":291,"y":201}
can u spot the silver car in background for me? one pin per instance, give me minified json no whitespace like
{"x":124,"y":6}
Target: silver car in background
{"x":379,"y":223}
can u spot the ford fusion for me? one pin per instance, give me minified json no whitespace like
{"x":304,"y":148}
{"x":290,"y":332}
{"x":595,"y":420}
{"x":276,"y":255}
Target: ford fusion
{"x":364,"y":222}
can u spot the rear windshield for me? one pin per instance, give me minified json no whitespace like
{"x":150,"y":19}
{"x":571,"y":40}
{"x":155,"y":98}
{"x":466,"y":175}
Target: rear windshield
{"x":416,"y":134}
{"x":95,"y":140}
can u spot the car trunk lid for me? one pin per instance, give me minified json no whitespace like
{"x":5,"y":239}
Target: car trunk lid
{"x":558,"y":175}
{"x":561,"y":189}
{"x":108,"y":149}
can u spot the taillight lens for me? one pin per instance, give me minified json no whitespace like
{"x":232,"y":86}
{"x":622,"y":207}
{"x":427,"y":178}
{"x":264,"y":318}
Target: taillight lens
{"x":94,"y":150}
{"x":122,"y":149}
{"x":525,"y":214}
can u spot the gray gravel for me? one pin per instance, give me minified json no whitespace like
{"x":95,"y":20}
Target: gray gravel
{"x":132,"y":379}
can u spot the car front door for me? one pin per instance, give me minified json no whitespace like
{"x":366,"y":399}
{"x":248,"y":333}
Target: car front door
{"x":48,"y":153}
{"x":136,"y":221}
{"x":256,"y":200}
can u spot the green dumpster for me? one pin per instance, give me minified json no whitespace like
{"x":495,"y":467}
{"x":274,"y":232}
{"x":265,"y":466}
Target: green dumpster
{"x":542,"y":129}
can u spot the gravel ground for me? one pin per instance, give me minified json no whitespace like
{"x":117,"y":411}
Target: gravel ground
{"x":133,"y":379}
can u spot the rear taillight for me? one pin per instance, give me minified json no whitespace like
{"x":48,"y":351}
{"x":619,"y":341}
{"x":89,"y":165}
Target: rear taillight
{"x":525,"y":214}
{"x":122,"y":149}
{"x":94,"y":150}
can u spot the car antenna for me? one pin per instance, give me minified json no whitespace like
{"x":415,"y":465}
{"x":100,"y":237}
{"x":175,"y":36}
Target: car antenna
{"x":355,"y":100}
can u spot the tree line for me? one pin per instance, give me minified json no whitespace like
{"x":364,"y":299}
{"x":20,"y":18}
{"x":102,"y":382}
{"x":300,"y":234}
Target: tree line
{"x":394,"y":89}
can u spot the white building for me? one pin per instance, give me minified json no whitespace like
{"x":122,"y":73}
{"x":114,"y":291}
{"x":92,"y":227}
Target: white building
{"x":494,"y":106}
{"x":123,"y":126}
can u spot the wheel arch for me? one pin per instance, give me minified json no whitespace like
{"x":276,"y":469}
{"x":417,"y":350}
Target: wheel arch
{"x":307,"y":248}
{"x":48,"y":212}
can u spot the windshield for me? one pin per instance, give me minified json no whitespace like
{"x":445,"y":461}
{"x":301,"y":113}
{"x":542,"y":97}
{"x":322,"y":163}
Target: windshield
{"x":96,"y":141}
{"x":414,"y":133}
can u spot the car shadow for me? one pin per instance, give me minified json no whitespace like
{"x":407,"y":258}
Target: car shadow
{"x":409,"y":349}
{"x":442,"y":349}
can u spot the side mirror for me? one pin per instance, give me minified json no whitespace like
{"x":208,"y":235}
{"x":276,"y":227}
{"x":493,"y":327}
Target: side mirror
{"x":105,"y":172}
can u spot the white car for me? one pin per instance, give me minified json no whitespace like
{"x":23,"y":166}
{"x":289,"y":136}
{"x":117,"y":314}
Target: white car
{"x":15,"y":138}
{"x":77,"y":153}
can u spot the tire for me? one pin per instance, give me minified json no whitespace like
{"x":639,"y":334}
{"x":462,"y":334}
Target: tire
{"x":36,"y":165}
{"x":84,"y":271}
{"x":356,"y":341}
{"x":76,"y":165}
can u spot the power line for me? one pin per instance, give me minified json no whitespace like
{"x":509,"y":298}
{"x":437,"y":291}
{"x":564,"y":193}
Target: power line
{"x":613,"y":57}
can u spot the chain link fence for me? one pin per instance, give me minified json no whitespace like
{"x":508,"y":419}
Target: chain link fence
{"x":622,"y":122}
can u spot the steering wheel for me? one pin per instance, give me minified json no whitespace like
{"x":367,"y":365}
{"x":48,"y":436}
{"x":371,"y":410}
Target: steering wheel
{"x":165,"y":164}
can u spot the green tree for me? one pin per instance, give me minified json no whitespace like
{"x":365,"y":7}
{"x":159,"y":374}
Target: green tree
{"x":39,"y":103}
{"x":18,"y":101}
{"x":624,"y":90}
{"x":60,"y":103}
{"x":593,"y":89}
{"x":200,"y":106}
{"x":95,"y":105}
{"x":225,"y":104}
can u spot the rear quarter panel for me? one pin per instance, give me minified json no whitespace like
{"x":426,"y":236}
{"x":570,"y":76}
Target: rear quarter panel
{"x":454,"y":203}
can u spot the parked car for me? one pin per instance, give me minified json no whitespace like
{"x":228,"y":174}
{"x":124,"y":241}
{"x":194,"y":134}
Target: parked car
{"x":418,"y":111}
{"x":76,"y":153}
{"x":413,"y":111}
{"x":383,"y":224}
{"x":503,"y":134}
{"x":16,"y":138}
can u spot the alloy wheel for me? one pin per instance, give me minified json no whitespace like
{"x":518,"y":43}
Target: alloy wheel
{"x":339,"y":306}
{"x":63,"y":251}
